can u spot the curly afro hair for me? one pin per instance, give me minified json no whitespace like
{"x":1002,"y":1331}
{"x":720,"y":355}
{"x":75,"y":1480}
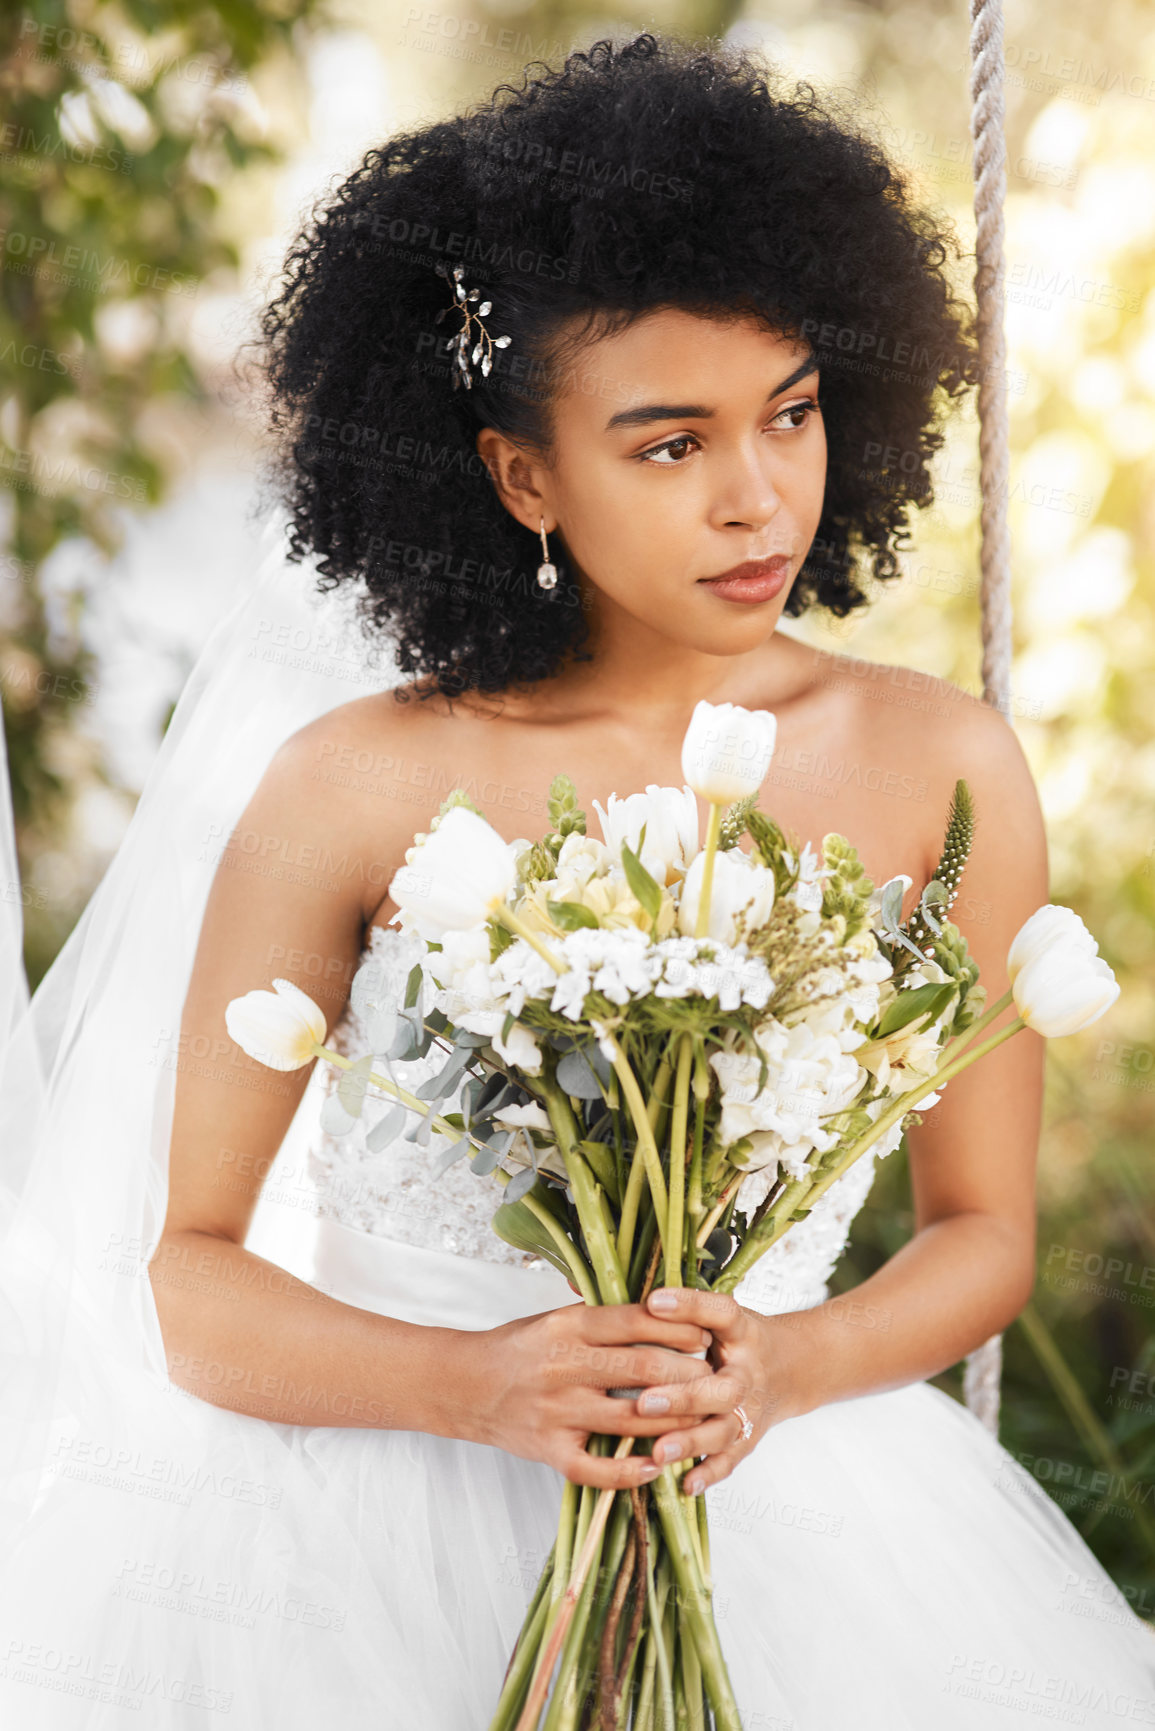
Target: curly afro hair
{"x":644,"y":174}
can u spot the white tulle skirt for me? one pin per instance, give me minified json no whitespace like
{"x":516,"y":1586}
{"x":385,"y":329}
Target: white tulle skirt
{"x":880,"y":1564}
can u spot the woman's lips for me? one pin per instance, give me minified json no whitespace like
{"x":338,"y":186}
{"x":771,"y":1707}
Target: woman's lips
{"x":760,"y":582}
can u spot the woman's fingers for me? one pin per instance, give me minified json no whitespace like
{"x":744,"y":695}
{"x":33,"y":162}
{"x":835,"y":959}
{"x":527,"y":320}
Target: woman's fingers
{"x":621,"y":1324}
{"x":606,"y":1473}
{"x":710,"y":1438}
{"x":719,"y":1313}
{"x":592,"y":1365}
{"x":719,"y":1391}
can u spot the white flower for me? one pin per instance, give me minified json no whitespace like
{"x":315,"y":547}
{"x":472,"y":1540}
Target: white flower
{"x":727,"y":750}
{"x":1050,"y":925}
{"x":670,"y":818}
{"x":531,"y":1116}
{"x":521,"y":1050}
{"x":580,"y":858}
{"x":278,"y":1028}
{"x":458,"y":874}
{"x":903,"y":1060}
{"x":741,"y":886}
{"x":1063,"y":989}
{"x":809,"y":1078}
{"x":462,"y":963}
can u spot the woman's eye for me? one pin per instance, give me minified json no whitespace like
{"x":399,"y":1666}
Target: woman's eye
{"x":804,"y":410}
{"x":683,"y":439}
{"x":800,"y":412}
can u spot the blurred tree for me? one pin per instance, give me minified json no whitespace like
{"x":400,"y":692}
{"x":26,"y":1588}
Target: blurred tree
{"x":120,"y":123}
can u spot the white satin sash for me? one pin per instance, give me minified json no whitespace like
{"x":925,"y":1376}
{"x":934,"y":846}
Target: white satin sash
{"x":434,"y":1287}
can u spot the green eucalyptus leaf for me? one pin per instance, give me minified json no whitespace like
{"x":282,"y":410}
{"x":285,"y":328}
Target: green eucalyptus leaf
{"x":387,"y":1129}
{"x":576,"y":1075}
{"x":354,"y":1081}
{"x":519,"y":1184}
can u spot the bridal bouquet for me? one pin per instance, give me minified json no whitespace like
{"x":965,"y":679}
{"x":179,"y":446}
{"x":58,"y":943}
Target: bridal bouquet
{"x":665,"y":1053}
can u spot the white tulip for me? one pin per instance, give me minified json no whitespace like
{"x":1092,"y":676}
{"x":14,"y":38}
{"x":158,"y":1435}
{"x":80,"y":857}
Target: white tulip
{"x":1047,"y":926}
{"x":277,"y":1028}
{"x":1062,"y":989}
{"x":670,"y":818}
{"x":727,"y":751}
{"x":741,"y":887}
{"x":457,"y":876}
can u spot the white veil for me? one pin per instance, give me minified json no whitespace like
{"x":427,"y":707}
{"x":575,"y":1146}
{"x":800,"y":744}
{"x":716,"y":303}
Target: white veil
{"x":94,"y":1438}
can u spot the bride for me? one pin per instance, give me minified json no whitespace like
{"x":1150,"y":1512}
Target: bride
{"x":231,"y":1491}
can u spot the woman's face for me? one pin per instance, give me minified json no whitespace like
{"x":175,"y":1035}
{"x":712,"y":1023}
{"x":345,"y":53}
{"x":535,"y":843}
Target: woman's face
{"x":683,"y":446}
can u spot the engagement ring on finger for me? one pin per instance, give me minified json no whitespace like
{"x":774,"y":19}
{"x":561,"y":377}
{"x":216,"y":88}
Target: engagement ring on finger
{"x":747,"y":1427}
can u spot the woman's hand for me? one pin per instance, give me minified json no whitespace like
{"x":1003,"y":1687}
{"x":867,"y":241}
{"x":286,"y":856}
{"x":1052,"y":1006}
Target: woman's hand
{"x":748,"y":1369}
{"x":536,"y":1386}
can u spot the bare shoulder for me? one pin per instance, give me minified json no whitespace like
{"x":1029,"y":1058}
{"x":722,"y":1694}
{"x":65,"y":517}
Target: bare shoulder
{"x":346,"y":782}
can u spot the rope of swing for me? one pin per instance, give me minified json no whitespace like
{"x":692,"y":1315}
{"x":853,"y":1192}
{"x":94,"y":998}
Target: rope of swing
{"x":984,"y":1366}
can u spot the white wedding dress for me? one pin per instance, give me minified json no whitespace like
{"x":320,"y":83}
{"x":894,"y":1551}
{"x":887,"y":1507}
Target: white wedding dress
{"x":881,"y":1563}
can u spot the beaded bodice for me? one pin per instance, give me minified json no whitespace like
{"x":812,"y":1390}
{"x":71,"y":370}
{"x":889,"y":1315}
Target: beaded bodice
{"x":397,"y":1193}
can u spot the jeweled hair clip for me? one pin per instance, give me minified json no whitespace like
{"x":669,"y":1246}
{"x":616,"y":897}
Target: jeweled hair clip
{"x":482,"y":343}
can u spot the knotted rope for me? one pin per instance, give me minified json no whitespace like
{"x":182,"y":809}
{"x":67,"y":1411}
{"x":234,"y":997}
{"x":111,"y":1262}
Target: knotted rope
{"x":984,"y":1365}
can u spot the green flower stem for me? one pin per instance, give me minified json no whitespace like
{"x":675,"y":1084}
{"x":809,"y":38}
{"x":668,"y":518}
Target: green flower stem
{"x":695,"y":1207}
{"x":578,"y":1266}
{"x":632,"y":1193}
{"x":704,"y":1542}
{"x":692,"y":1686}
{"x":671,"y":1629}
{"x":514,"y":923}
{"x":672,"y":1238}
{"x":657,"y":1593}
{"x":658,"y":1091}
{"x":526,"y":1652}
{"x":561,"y":1714}
{"x":719,"y":1208}
{"x":713,"y":831}
{"x":599,"y":1240}
{"x":587,"y":1540}
{"x":953,"y":1047}
{"x":695,"y":1618}
{"x":764,"y":1235}
{"x":589,"y":1662}
{"x":566,"y":1528}
{"x":646,"y":1146}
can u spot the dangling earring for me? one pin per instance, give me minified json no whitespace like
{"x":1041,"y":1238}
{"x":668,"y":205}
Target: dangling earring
{"x":546,"y":573}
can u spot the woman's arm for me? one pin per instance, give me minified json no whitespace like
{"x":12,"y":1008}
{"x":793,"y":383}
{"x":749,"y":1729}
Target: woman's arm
{"x":241,"y":1332}
{"x":970,"y":1266}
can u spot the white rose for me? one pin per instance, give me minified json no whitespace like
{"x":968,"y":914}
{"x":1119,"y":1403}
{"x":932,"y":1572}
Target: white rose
{"x":580,"y":858}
